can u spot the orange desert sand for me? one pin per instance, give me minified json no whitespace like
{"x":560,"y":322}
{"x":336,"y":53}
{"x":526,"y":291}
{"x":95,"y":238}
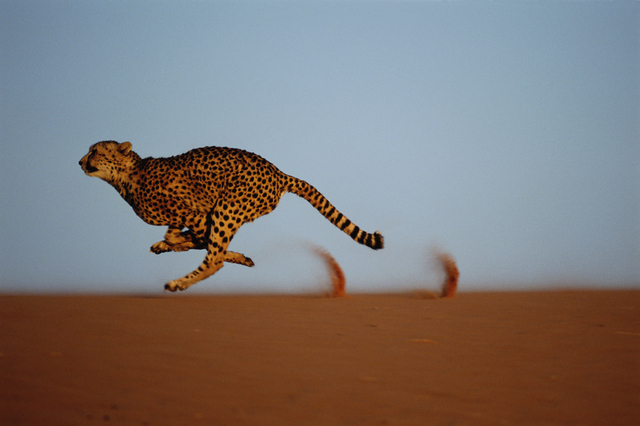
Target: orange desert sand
{"x":565,"y":357}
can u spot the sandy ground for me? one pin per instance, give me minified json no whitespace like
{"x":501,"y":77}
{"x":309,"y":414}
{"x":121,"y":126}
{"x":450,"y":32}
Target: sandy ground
{"x":570,"y":357}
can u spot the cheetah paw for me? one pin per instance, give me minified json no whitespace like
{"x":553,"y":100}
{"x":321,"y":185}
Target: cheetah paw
{"x":160,"y":247}
{"x":174,"y":286}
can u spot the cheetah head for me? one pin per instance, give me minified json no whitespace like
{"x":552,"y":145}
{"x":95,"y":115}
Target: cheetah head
{"x":109,"y":160}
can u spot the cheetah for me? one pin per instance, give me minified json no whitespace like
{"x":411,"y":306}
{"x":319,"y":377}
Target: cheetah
{"x":204,"y":196}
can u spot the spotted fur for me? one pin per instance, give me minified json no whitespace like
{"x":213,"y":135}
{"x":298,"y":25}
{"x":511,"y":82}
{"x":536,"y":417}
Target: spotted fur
{"x":204,"y":196}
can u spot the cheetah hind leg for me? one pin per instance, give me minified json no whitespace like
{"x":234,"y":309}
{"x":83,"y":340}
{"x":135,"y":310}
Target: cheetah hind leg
{"x":216,"y":243}
{"x":213,"y":261}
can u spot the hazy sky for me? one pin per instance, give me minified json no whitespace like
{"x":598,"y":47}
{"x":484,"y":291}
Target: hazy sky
{"x":505,"y":133}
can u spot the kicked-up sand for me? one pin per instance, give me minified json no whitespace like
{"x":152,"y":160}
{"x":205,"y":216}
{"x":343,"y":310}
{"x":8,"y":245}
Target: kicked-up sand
{"x":513,"y":358}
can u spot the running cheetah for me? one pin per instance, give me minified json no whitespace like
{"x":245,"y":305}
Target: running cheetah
{"x":204,"y":196}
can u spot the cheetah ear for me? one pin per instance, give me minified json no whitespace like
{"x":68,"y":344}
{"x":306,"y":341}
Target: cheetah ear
{"x":125,"y":148}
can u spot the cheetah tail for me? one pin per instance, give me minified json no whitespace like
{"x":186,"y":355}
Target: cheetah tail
{"x":317,"y":200}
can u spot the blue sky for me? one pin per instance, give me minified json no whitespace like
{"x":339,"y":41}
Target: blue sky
{"x":505,"y":133}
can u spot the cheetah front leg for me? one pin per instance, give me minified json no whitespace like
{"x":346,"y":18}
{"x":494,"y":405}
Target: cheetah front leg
{"x":176,"y":240}
{"x":238,"y":258}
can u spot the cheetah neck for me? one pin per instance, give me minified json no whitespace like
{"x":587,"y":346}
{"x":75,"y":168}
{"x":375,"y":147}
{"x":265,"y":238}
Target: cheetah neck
{"x":125,"y":192}
{"x":123,"y":187}
{"x":124,"y":182}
